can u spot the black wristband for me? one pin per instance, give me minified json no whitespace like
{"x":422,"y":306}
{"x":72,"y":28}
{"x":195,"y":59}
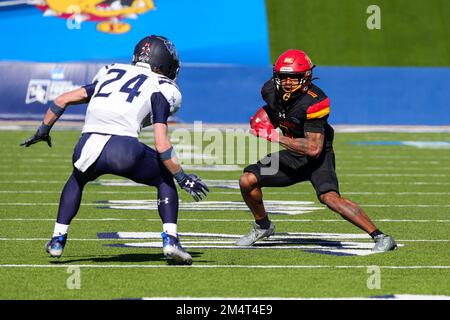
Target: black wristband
{"x":167,"y":155}
{"x":180,"y":175}
{"x":57,"y":110}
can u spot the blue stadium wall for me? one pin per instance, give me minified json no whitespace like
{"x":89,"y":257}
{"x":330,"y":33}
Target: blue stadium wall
{"x":224,"y":50}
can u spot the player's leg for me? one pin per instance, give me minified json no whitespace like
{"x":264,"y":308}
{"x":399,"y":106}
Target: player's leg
{"x":251,"y":184}
{"x":325,"y":182}
{"x":127,"y":157}
{"x":69,"y":203}
{"x":252,"y":194}
{"x":349,"y":210}
{"x":168,"y":212}
{"x":70,"y":200}
{"x":141,"y":164}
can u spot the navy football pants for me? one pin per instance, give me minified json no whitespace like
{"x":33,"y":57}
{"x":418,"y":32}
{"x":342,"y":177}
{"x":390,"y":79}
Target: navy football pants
{"x":125,"y":157}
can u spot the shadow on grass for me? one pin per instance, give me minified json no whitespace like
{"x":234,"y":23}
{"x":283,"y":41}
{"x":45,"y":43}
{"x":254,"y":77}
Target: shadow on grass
{"x":300,"y":241}
{"x":129,"y":257}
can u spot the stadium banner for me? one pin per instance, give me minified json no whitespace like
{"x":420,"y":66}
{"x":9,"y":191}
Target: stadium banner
{"x":30,"y":88}
{"x":231,"y":31}
{"x":228,"y":93}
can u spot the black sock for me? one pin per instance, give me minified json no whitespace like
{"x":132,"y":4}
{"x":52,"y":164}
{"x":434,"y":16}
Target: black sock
{"x":377,"y":232}
{"x":264,"y":223}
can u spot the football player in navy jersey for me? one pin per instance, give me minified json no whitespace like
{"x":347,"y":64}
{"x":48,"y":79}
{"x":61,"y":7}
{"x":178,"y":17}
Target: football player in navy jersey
{"x":300,"y":109}
{"x":122,"y":99}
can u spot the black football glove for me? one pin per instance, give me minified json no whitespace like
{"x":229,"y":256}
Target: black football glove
{"x":192,"y":185}
{"x":42,"y":134}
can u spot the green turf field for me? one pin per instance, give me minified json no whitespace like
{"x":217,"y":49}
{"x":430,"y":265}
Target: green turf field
{"x":334,"y":32}
{"x":403,"y":188}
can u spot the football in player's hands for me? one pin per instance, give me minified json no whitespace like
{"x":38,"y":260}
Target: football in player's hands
{"x":261,"y":120}
{"x":270,"y":134}
{"x":262,"y":127}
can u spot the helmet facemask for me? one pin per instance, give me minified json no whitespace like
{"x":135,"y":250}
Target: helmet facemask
{"x":291,"y":85}
{"x":292,"y":73}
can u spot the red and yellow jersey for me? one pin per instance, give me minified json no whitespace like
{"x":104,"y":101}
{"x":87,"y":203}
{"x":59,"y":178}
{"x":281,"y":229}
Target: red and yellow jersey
{"x":307,"y":113}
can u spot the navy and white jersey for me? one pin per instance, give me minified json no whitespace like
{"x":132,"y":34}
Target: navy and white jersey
{"x":124,"y":98}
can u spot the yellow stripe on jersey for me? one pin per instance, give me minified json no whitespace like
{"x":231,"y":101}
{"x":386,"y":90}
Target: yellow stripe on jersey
{"x":319,"y":114}
{"x":312,"y":94}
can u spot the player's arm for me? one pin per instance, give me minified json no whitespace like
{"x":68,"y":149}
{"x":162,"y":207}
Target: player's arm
{"x":311,"y":145}
{"x":165,"y":149}
{"x":76,"y":96}
{"x":55,"y":111}
{"x":261,"y":125}
{"x":188,"y":182}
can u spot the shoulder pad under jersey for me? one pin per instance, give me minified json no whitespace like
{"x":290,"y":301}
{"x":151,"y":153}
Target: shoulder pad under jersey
{"x":170,"y":91}
{"x":102,"y":72}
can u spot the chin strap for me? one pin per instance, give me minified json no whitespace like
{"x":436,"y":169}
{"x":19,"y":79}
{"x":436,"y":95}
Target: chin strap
{"x":287,"y":95}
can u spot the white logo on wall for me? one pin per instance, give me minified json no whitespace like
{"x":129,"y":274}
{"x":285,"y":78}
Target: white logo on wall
{"x":37,"y":91}
{"x":45,"y":90}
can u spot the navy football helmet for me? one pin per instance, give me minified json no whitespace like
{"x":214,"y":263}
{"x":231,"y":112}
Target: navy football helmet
{"x":159,"y":53}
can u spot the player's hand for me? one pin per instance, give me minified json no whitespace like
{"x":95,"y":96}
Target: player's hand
{"x":38,"y":136}
{"x":270,"y":134}
{"x":193,"y":185}
{"x":260,"y":120}
{"x":262,"y":127}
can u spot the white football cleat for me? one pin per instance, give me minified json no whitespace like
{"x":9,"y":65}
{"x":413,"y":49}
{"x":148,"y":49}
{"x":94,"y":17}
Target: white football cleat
{"x":172,"y":249}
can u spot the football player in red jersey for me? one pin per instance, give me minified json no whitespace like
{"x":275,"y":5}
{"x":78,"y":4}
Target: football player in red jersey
{"x":300,"y":109}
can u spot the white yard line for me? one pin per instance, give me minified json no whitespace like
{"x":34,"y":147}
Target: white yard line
{"x":195,"y":206}
{"x":212,"y":266}
{"x":90,"y":192}
{"x":345,"y":128}
{"x":341,"y":169}
{"x":46,"y":239}
{"x":237,"y":192}
{"x":227,"y":220}
{"x":418,"y":183}
{"x":235,"y":168}
{"x":186,"y":236}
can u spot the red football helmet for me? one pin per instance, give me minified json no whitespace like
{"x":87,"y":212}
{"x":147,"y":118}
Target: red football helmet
{"x":293,"y":64}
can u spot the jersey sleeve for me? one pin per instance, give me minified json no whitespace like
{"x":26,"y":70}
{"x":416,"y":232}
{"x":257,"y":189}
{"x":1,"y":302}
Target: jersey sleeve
{"x":171,"y":93}
{"x":316,"y":125}
{"x":90,"y":89}
{"x":160,"y":108}
{"x":270,"y":113}
{"x":268,"y":91}
{"x":101,"y":73}
{"x":317,"y":115}
{"x":269,"y":97}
